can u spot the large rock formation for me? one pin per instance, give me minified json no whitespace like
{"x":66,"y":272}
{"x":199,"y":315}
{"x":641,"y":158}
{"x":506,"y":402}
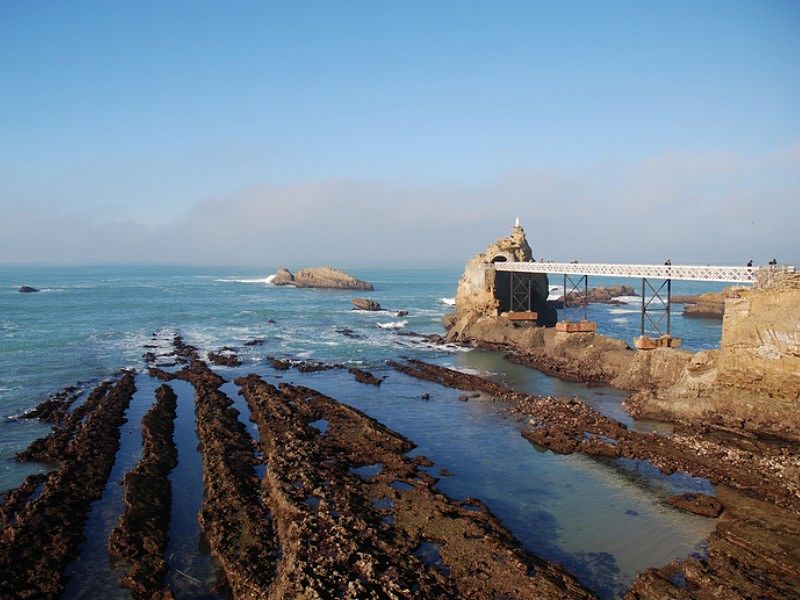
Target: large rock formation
{"x":365,"y":304}
{"x":320,"y":277}
{"x":601,"y":295}
{"x":752,"y":382}
{"x":483,"y":292}
{"x":705,"y":306}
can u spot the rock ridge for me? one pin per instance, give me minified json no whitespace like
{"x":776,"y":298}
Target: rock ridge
{"x":320,"y":277}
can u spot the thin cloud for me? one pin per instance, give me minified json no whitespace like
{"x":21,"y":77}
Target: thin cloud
{"x":692,"y":207}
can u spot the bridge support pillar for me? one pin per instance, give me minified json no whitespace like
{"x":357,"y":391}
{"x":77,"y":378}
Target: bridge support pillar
{"x":655,"y":331}
{"x":584,"y":325}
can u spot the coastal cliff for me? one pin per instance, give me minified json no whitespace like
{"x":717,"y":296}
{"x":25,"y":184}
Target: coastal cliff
{"x":753,"y":381}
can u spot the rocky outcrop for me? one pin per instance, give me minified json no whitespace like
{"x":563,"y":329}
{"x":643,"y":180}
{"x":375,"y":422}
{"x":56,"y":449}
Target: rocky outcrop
{"x":586,"y":357}
{"x":43,"y":535}
{"x":320,"y":277}
{"x":484,"y":292}
{"x":283,"y":276}
{"x":705,"y":306}
{"x":602,"y":295}
{"x":26,"y":289}
{"x":752,"y":382}
{"x":139,"y":540}
{"x":699,"y":504}
{"x":365,"y":304}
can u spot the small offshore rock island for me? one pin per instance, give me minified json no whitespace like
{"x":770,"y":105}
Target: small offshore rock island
{"x":301,"y":494}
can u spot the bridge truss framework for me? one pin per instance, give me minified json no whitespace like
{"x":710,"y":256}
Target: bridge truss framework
{"x":655,"y":310}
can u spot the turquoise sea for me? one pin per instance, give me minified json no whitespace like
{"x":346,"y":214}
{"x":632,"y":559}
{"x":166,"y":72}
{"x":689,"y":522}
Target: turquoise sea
{"x":603,"y":520}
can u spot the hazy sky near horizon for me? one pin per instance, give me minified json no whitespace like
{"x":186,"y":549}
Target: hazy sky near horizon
{"x":313,"y":132}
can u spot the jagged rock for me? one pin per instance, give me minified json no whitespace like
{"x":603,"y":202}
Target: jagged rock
{"x":365,"y":304}
{"x":283,"y":276}
{"x":706,"y":306}
{"x":320,"y":277}
{"x":482,"y":291}
{"x":26,"y":289}
{"x":699,"y":504}
{"x":602,"y":295}
{"x":752,"y":382}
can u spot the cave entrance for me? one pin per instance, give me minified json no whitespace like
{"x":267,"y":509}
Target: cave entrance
{"x":502,"y":286}
{"x":514,"y":291}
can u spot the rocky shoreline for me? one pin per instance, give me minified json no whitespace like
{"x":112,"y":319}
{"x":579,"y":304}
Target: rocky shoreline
{"x":139,"y":539}
{"x":758,"y":486}
{"x":340,"y":512}
{"x":44,"y":518}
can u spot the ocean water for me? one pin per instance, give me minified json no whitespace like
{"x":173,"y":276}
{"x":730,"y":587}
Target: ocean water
{"x":604,"y":520}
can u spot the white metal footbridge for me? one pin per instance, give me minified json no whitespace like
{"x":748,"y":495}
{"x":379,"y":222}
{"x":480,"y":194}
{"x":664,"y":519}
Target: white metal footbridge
{"x":674,"y":272}
{"x":656,"y":298}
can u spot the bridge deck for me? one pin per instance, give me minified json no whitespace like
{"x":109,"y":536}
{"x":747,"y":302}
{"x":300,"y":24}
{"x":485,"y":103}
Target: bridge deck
{"x":675,"y":272}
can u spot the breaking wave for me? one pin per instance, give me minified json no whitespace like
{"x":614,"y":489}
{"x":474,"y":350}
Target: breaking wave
{"x":448,"y":301}
{"x":393,"y":325}
{"x":268,"y":279}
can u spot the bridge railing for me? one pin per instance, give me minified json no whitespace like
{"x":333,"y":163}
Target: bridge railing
{"x":674,"y":272}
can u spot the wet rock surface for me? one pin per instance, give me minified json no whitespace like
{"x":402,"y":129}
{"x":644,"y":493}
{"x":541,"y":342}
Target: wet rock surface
{"x":364,"y":376}
{"x":312,"y":366}
{"x":139,"y":539}
{"x":754,"y":552}
{"x":43,"y":534}
{"x":233,"y":518}
{"x":55,"y":447}
{"x":351,"y":510}
{"x":225,"y":357}
{"x":699,"y":504}
{"x":26,"y":289}
{"x":365,"y":304}
{"x":55,"y":408}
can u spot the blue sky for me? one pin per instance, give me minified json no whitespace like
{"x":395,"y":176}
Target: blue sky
{"x":138,"y":117}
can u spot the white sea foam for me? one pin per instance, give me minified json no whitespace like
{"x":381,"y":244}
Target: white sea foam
{"x":266,"y":280}
{"x":448,"y":301}
{"x":620,"y":320}
{"x":555,"y":292}
{"x":471,"y":371}
{"x":393,"y":325}
{"x":628,"y":299}
{"x":622,"y":311}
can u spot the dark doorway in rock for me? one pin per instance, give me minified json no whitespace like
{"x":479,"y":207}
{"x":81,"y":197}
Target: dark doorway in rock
{"x":502,"y":286}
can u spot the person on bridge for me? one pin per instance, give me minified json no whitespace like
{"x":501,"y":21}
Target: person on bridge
{"x":773,"y":262}
{"x":750,"y":263}
{"x":668,"y":262}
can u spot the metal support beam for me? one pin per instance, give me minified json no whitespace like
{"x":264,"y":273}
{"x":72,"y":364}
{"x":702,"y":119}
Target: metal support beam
{"x":660,"y":295}
{"x":575,"y":285}
{"x":520,"y":292}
